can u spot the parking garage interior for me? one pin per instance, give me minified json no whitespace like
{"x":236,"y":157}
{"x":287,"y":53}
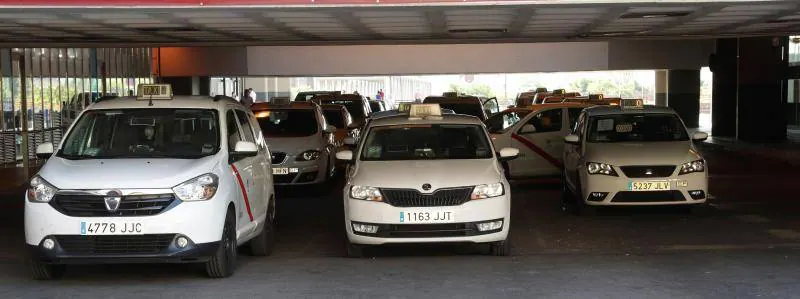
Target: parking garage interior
{"x":57,"y":57}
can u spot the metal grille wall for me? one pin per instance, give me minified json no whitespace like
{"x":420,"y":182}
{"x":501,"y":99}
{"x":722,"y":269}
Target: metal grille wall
{"x":43,"y":90}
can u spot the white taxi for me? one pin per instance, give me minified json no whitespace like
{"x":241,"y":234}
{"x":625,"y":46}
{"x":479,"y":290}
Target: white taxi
{"x":151,"y":179}
{"x":538,"y":132}
{"x":425,"y":177}
{"x":632,"y":155}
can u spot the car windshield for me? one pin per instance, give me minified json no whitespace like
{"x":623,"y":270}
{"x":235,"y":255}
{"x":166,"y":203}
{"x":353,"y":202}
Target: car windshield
{"x":426,"y":142}
{"x":636,"y":128}
{"x":473,"y":109}
{"x":334,"y":118}
{"x":375,"y":106}
{"x":143,"y":133}
{"x":288,"y":122}
{"x":353,"y":106}
{"x":503,"y":121}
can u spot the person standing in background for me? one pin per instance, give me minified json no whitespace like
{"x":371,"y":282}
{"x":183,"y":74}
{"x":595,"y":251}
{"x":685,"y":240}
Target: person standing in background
{"x":249,"y":97}
{"x":379,"y":96}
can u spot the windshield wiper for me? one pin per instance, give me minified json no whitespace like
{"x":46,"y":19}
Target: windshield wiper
{"x":76,"y":157}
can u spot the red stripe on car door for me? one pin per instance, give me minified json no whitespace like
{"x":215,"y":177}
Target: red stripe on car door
{"x":538,"y":151}
{"x":244,"y":191}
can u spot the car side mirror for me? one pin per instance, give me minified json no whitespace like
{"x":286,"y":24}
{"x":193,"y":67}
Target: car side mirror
{"x":508,"y":154}
{"x":700,"y":136}
{"x":44,"y":150}
{"x":527,"y":128}
{"x":572,"y":139}
{"x":345,"y":155}
{"x":245,"y":149}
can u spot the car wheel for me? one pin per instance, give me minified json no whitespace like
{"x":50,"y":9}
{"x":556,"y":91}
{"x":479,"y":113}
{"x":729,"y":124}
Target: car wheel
{"x":354,"y":250}
{"x":223,"y":262}
{"x":568,"y":200}
{"x":42,"y":271}
{"x":500,"y":248}
{"x":264,"y":243}
{"x":581,"y":208}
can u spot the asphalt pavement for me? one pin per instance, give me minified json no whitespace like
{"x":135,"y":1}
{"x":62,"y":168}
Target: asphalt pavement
{"x":744,"y":245}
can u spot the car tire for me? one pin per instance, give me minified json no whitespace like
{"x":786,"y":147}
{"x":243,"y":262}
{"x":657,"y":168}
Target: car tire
{"x":354,"y":250}
{"x":42,"y":271}
{"x":223,"y":262}
{"x":581,"y":208}
{"x":500,"y":248}
{"x":568,"y":199}
{"x":264,"y":243}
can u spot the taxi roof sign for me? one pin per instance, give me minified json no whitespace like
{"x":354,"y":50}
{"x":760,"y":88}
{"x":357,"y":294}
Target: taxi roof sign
{"x":148,"y":92}
{"x":403,"y":107}
{"x":632,"y":104}
{"x":419,"y":111}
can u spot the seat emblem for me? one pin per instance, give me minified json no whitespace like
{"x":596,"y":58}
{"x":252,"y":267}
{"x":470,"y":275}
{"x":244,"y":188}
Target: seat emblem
{"x":112,"y":200}
{"x":648,"y":172}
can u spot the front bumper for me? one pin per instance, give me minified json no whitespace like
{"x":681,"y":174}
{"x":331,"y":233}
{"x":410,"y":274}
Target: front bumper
{"x":308,"y":172}
{"x":463,"y":229}
{"x":614,"y":191}
{"x":192,"y":253}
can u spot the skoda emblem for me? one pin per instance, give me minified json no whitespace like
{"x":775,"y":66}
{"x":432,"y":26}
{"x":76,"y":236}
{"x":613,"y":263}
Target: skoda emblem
{"x":426,"y":187}
{"x":648,"y":172}
{"x":112,"y":200}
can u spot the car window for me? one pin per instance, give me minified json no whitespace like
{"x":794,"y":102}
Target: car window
{"x":334,"y":118}
{"x":355,"y":107}
{"x":288,"y":122}
{"x":642,"y":127}
{"x":233,"y":130}
{"x":573,"y":117}
{"x":546,"y":121}
{"x":502,"y":122}
{"x":426,"y":142}
{"x":244,"y":123}
{"x":468,"y":108}
{"x":143,"y":133}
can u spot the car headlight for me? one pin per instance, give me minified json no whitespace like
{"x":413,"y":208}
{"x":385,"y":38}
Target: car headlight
{"x":200,"y":188}
{"x":487,"y":191}
{"x":309,"y":155}
{"x":366,"y":193}
{"x":694,"y":166}
{"x":40,"y":190}
{"x":600,"y":168}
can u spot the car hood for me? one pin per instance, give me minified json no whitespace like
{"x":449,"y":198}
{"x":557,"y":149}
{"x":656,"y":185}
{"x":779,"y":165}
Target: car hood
{"x":437,"y":173}
{"x":125,"y":173}
{"x":294,"y":145}
{"x":642,"y":153}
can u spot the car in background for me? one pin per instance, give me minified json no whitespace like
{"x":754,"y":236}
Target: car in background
{"x":305,"y":96}
{"x":338,"y":117}
{"x":632,"y":155}
{"x":357,"y":105}
{"x":461,"y":104}
{"x":152,"y":179}
{"x":301,"y":142}
{"x":538,"y":132}
{"x":377,"y":106}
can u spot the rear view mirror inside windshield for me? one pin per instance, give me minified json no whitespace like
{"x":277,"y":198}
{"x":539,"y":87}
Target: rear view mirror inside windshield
{"x":143,"y":121}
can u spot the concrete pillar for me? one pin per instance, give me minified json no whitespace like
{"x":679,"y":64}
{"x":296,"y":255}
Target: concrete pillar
{"x":761,"y":89}
{"x":723,"y":64}
{"x":749,"y":84}
{"x":661,"y":88}
{"x":683,"y":95}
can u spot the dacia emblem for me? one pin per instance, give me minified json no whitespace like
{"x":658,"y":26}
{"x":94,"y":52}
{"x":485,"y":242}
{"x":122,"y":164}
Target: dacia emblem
{"x":112,"y":200}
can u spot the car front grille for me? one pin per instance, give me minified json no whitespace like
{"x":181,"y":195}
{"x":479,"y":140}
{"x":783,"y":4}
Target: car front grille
{"x":139,"y":244}
{"x":648,"y":196}
{"x":659,"y":171}
{"x":80,"y":205}
{"x":414,"y":198}
{"x":278,"y":157}
{"x":283,"y":178}
{"x":430,"y":230}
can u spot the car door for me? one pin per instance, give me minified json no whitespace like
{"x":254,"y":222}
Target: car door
{"x":261,"y":171}
{"x":242,"y":168}
{"x":541,"y":144}
{"x":573,"y":152}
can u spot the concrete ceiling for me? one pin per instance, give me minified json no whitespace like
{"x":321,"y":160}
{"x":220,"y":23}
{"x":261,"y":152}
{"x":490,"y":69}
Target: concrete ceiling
{"x":504,"y":21}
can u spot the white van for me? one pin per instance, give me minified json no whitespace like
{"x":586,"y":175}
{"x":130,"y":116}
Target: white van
{"x":152,"y":179}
